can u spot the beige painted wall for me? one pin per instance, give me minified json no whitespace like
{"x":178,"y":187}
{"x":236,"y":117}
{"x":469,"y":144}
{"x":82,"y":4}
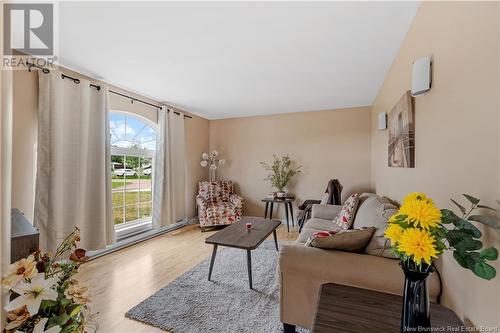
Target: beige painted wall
{"x":457,"y":135}
{"x":328,"y":144}
{"x":197,"y":142}
{"x":25,"y":136}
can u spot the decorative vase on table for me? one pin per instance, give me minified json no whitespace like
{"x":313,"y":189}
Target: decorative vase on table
{"x":280,"y":194}
{"x":419,"y":232}
{"x":416,"y":305}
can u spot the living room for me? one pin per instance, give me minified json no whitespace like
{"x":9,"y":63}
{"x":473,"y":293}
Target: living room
{"x":342,"y":145}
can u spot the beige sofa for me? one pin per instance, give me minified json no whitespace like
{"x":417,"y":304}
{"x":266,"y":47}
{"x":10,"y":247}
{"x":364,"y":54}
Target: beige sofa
{"x":302,"y":270}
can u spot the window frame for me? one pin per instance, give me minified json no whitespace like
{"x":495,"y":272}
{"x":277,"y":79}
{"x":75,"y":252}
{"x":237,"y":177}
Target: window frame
{"x":126,"y":229}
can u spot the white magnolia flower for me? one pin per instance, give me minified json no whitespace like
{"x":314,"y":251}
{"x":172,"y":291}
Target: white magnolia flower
{"x":215,"y":153}
{"x":204,"y":156}
{"x":20,"y":270}
{"x":33,"y":293}
{"x":40,"y":327}
{"x":204,"y":163}
{"x":213,"y":167}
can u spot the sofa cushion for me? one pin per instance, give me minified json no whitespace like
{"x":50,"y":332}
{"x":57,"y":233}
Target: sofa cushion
{"x":313,"y":225}
{"x":354,"y":240}
{"x":325,"y":212}
{"x":346,"y":216}
{"x":374,"y":211}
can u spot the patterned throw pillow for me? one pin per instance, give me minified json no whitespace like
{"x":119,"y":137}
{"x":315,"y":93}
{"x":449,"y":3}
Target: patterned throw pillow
{"x":347,"y":240}
{"x":346,"y":215}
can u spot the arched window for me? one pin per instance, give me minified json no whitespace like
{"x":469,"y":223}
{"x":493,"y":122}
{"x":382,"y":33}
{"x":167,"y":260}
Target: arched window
{"x":133,"y":144}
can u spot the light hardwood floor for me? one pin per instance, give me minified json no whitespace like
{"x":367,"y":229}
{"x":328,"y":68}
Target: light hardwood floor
{"x":122,"y":279}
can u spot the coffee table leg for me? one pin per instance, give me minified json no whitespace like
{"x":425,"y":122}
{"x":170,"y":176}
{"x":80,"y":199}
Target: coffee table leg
{"x":271,"y":214}
{"x":286,"y":211}
{"x":275,"y":240}
{"x":249,"y":265}
{"x":267,"y":206}
{"x":214,"y":252}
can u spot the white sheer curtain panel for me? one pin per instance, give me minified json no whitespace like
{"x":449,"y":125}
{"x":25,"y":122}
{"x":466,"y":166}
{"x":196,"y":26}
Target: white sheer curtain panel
{"x":73,"y":183}
{"x":169,"y":191}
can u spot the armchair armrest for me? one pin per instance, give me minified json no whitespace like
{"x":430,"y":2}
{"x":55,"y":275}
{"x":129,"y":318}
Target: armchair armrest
{"x":201,"y":202}
{"x":236,"y":200}
{"x":325,"y":212}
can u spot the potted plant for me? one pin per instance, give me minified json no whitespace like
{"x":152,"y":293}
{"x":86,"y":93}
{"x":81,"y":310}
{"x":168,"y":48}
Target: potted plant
{"x":419,"y":232}
{"x":280,"y":173}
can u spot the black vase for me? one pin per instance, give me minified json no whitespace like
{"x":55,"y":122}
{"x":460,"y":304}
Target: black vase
{"x":416,"y":316}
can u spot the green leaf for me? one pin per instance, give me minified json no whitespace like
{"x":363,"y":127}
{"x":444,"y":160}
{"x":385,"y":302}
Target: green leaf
{"x":489,"y":254}
{"x":462,"y":208}
{"x":472,"y":258}
{"x":448,"y":216}
{"x":439,"y":232}
{"x":65,"y":302}
{"x":489,"y":221}
{"x":456,"y":236}
{"x":440,"y":246}
{"x":473,"y":200}
{"x":460,"y":259}
{"x":468,"y":227}
{"x":484,"y":271}
{"x":48,"y":306}
{"x":486,"y":207}
{"x":468,"y":244}
{"x":76,"y":310}
{"x":58,"y":320}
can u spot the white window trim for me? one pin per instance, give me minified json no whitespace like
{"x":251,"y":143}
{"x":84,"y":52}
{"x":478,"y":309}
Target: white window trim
{"x":127,"y":229}
{"x":132,"y":152}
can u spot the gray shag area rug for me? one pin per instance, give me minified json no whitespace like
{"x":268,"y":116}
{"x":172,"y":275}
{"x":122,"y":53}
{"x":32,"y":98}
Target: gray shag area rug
{"x":192,"y":304}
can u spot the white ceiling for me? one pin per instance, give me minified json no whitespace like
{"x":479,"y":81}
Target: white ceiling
{"x":235,"y":59}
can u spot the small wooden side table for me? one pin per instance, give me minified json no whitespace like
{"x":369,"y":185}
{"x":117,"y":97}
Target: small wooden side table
{"x":24,"y":238}
{"x":352,"y":310}
{"x":288,"y":200}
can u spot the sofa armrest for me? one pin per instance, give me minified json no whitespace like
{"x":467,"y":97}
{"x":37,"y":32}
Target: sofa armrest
{"x":354,"y":269}
{"x":236,"y":200}
{"x":325,"y":212}
{"x":201,"y":202}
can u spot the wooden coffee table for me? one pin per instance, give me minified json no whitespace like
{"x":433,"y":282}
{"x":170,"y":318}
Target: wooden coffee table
{"x":236,"y":235}
{"x":352,"y":310}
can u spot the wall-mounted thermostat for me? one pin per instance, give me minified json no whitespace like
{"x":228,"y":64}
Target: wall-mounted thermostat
{"x":382,"y":121}
{"x":421,"y":76}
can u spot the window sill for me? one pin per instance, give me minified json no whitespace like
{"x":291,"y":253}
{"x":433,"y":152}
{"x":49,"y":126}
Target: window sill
{"x":132,"y":228}
{"x":132,"y":239}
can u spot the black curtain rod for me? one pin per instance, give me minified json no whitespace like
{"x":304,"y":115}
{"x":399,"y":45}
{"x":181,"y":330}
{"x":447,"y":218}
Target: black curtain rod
{"x":43,"y":69}
{"x":77,"y":81}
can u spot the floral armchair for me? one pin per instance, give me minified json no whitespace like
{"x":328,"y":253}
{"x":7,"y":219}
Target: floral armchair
{"x":217,"y":204}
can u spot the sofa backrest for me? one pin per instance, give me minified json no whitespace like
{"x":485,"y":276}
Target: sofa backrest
{"x":374,"y":211}
{"x":219,"y":190}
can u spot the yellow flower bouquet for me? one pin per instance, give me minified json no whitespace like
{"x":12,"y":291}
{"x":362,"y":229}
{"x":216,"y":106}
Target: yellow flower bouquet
{"x":419,"y":232}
